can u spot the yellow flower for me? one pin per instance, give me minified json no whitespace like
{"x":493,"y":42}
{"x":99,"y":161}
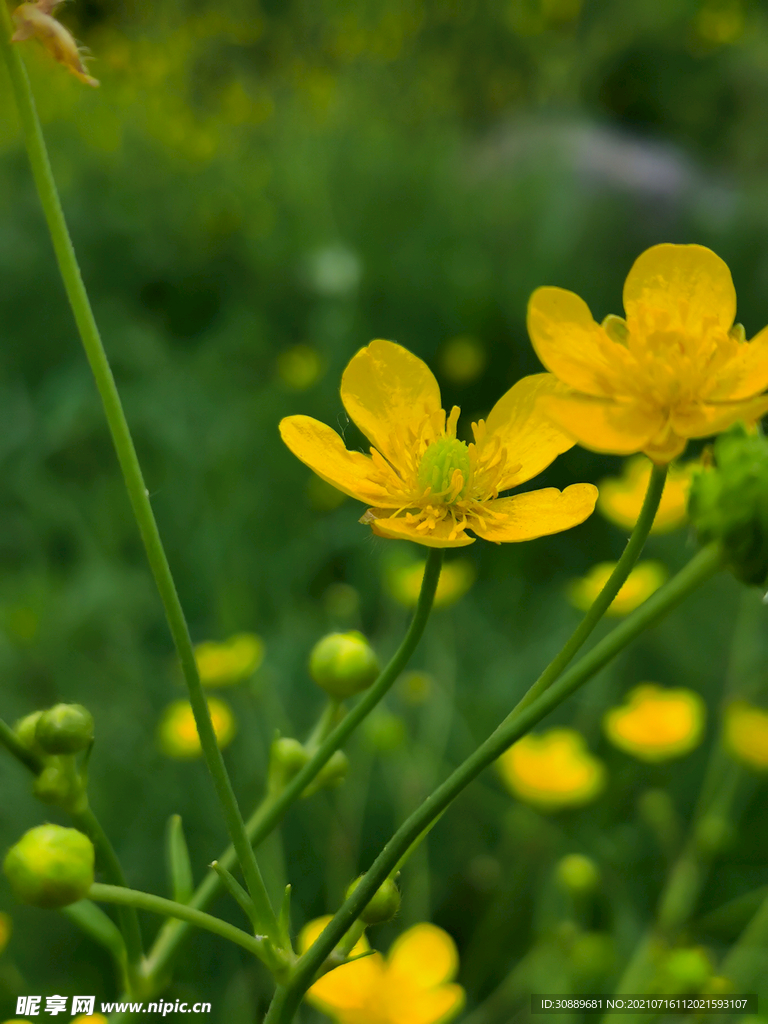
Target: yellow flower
{"x":229,"y":662}
{"x":177,"y":732}
{"x":656,"y":724}
{"x":676,"y":368}
{"x":404,"y":582}
{"x":746,"y":734}
{"x":411,"y":986}
{"x":552,"y":770}
{"x":5,"y":930}
{"x":639,"y":585}
{"x":423,"y":483}
{"x":621,"y":498}
{"x":35,"y":19}
{"x":89,"y":1018}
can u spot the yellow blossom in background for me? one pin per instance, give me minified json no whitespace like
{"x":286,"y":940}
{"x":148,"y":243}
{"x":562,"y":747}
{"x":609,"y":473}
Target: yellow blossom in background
{"x":745,"y":734}
{"x":621,"y":498}
{"x":177,"y":732}
{"x":644,"y":579}
{"x":656,"y":724}
{"x":90,"y":1018}
{"x":36,"y":20}
{"x":423,"y":483}
{"x":221,"y":664}
{"x":415,"y":687}
{"x":462,"y":359}
{"x":552,"y":770}
{"x":677,"y":367}
{"x":404,"y":582}
{"x":412,"y":985}
{"x":5,"y":930}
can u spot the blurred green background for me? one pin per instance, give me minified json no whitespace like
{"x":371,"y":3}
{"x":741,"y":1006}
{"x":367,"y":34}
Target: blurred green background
{"x":256,"y":191}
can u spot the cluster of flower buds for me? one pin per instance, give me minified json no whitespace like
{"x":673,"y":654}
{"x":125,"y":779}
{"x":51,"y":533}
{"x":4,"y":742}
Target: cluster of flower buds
{"x":55,"y":736}
{"x":35,"y":20}
{"x":728,"y":502}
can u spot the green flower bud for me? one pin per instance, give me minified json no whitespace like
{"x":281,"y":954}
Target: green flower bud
{"x":58,"y":783}
{"x":343,"y":664}
{"x":25,"y":731}
{"x":286,"y":758}
{"x":688,"y":969}
{"x":333,"y":773}
{"x":50,"y":866}
{"x":65,"y":729}
{"x":384,"y":904}
{"x":577,"y":874}
{"x":728,"y":502}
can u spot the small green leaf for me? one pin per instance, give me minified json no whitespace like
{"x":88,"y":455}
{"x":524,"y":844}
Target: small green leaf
{"x":177,"y":856}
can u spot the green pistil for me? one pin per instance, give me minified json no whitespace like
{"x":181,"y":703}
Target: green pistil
{"x":440,"y":461}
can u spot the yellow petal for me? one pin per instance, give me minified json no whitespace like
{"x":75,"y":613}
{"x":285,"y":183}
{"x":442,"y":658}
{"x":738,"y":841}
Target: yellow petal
{"x":745,"y":734}
{"x":536,"y":513}
{"x":688,"y":282}
{"x":432,"y":1007}
{"x":420,"y":527}
{"x":350,"y":986}
{"x":425,"y":955}
{"x":746,"y":374}
{"x":602,"y":425}
{"x":552,"y":770}
{"x":644,"y":579}
{"x":532,"y":440}
{"x":570,"y":344}
{"x":705,"y":420}
{"x":321,"y":448}
{"x":389,"y":392}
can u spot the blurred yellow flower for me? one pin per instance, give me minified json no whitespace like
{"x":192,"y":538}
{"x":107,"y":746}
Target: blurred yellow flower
{"x":177,"y":732}
{"x":644,"y":579}
{"x":413,"y":985}
{"x":90,"y":1018}
{"x":552,"y":770}
{"x":423,"y":483}
{"x":656,"y":724}
{"x":621,"y":498}
{"x":229,"y":662}
{"x":5,"y":930}
{"x":676,"y":368}
{"x":415,"y":687}
{"x":404,"y":582}
{"x":746,"y":734}
{"x":36,"y":20}
{"x":462,"y":359}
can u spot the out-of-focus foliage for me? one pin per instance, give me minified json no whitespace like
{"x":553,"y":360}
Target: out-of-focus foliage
{"x":255,"y":192}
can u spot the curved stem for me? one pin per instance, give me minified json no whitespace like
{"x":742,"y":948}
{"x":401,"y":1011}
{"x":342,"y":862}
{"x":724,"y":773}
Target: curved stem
{"x":616,"y":581}
{"x":169,"y":908}
{"x":14,"y":746}
{"x":87,"y":821}
{"x":129,"y":463}
{"x":272,"y":809}
{"x":515,"y":725}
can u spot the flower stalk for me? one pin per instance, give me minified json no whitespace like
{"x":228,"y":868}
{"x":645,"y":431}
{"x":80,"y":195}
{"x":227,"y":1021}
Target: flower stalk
{"x":129,"y":465}
{"x":516,"y":724}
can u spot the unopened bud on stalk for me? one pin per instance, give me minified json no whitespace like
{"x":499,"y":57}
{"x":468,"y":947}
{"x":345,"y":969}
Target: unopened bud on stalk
{"x":25,"y":731}
{"x":59,"y":783}
{"x":384,"y":904}
{"x":65,"y":729}
{"x":577,"y":874}
{"x":50,"y":866}
{"x":728,"y":502}
{"x":287,"y":757}
{"x":343,"y":664}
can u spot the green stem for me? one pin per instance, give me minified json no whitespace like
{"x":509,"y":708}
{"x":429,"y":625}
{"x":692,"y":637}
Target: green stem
{"x":616,"y":581}
{"x":129,"y":464}
{"x":515,"y":725}
{"x":271,"y":811}
{"x":169,"y":908}
{"x":14,"y":746}
{"x":87,"y":822}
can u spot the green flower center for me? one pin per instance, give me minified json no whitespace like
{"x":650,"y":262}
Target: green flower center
{"x":438,"y":464}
